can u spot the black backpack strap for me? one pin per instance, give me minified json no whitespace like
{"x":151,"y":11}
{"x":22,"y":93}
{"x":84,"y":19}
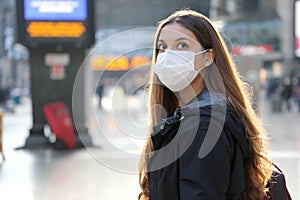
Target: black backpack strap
{"x":274,"y":165}
{"x":279,"y":190}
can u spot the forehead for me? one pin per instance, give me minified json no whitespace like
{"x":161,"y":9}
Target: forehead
{"x":174,"y":31}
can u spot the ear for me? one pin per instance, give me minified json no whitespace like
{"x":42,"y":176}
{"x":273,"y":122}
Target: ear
{"x":209,"y":57}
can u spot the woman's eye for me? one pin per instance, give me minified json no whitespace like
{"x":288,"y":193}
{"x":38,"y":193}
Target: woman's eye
{"x":162,"y":47}
{"x":182,"y":46}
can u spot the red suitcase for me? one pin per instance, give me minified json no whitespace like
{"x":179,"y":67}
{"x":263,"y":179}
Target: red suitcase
{"x":60,"y":122}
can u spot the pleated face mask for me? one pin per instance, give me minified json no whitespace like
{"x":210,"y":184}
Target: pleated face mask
{"x":175,"y":69}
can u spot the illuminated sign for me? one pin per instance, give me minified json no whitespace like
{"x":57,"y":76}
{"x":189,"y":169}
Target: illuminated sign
{"x":109,"y":63}
{"x":55,"y":29}
{"x":55,"y":10}
{"x":252,"y":49}
{"x":106,"y":62}
{"x":57,"y":58}
{"x":55,"y":22}
{"x":138,"y":61}
{"x":297,"y":28}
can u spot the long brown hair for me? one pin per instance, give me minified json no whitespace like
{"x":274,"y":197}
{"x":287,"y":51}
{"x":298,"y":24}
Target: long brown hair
{"x":238,"y":95}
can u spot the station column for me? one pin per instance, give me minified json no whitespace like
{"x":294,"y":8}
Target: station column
{"x":57,"y":34}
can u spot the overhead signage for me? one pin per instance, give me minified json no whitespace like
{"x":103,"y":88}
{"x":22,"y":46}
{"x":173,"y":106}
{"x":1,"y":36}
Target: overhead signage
{"x":45,"y":23}
{"x":55,"y":10}
{"x":252,"y":49}
{"x":111,"y":62}
{"x":55,"y":29}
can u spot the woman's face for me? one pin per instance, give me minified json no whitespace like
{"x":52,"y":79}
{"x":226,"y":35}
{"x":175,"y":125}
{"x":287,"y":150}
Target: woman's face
{"x":176,"y":37}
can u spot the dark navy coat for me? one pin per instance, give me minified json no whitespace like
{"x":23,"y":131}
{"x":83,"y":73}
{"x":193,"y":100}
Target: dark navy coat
{"x":196,"y":154}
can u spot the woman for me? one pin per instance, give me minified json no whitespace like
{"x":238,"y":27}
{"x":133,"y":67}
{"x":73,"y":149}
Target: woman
{"x":206,"y":141}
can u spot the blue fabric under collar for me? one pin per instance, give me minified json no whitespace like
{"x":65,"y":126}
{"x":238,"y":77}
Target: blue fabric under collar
{"x":204,"y":98}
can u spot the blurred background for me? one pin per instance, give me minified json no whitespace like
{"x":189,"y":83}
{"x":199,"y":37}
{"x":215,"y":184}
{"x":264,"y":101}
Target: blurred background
{"x":263,"y":37}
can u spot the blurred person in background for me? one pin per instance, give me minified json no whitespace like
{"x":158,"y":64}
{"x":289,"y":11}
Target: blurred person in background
{"x":4,"y":100}
{"x":296,"y":92}
{"x":285,"y":90}
{"x":99,"y":92}
{"x":5,"y":91}
{"x":195,"y":84}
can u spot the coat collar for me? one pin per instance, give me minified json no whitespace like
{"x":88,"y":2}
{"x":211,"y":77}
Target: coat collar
{"x":203,"y":99}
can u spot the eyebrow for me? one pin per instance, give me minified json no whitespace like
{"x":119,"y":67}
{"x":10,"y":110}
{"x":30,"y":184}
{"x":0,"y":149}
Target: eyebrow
{"x":182,"y":38}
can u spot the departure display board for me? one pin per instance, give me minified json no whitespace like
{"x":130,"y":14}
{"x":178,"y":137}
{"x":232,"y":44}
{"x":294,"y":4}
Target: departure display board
{"x":55,"y":10}
{"x":56,"y":22}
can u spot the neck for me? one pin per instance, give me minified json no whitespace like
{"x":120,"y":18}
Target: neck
{"x":190,"y":92}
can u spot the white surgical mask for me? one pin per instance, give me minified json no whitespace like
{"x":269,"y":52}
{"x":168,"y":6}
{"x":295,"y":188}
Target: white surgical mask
{"x":175,"y":69}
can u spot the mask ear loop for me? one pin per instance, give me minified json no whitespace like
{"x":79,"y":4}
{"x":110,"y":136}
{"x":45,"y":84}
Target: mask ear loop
{"x":211,"y":57}
{"x":201,"y":52}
